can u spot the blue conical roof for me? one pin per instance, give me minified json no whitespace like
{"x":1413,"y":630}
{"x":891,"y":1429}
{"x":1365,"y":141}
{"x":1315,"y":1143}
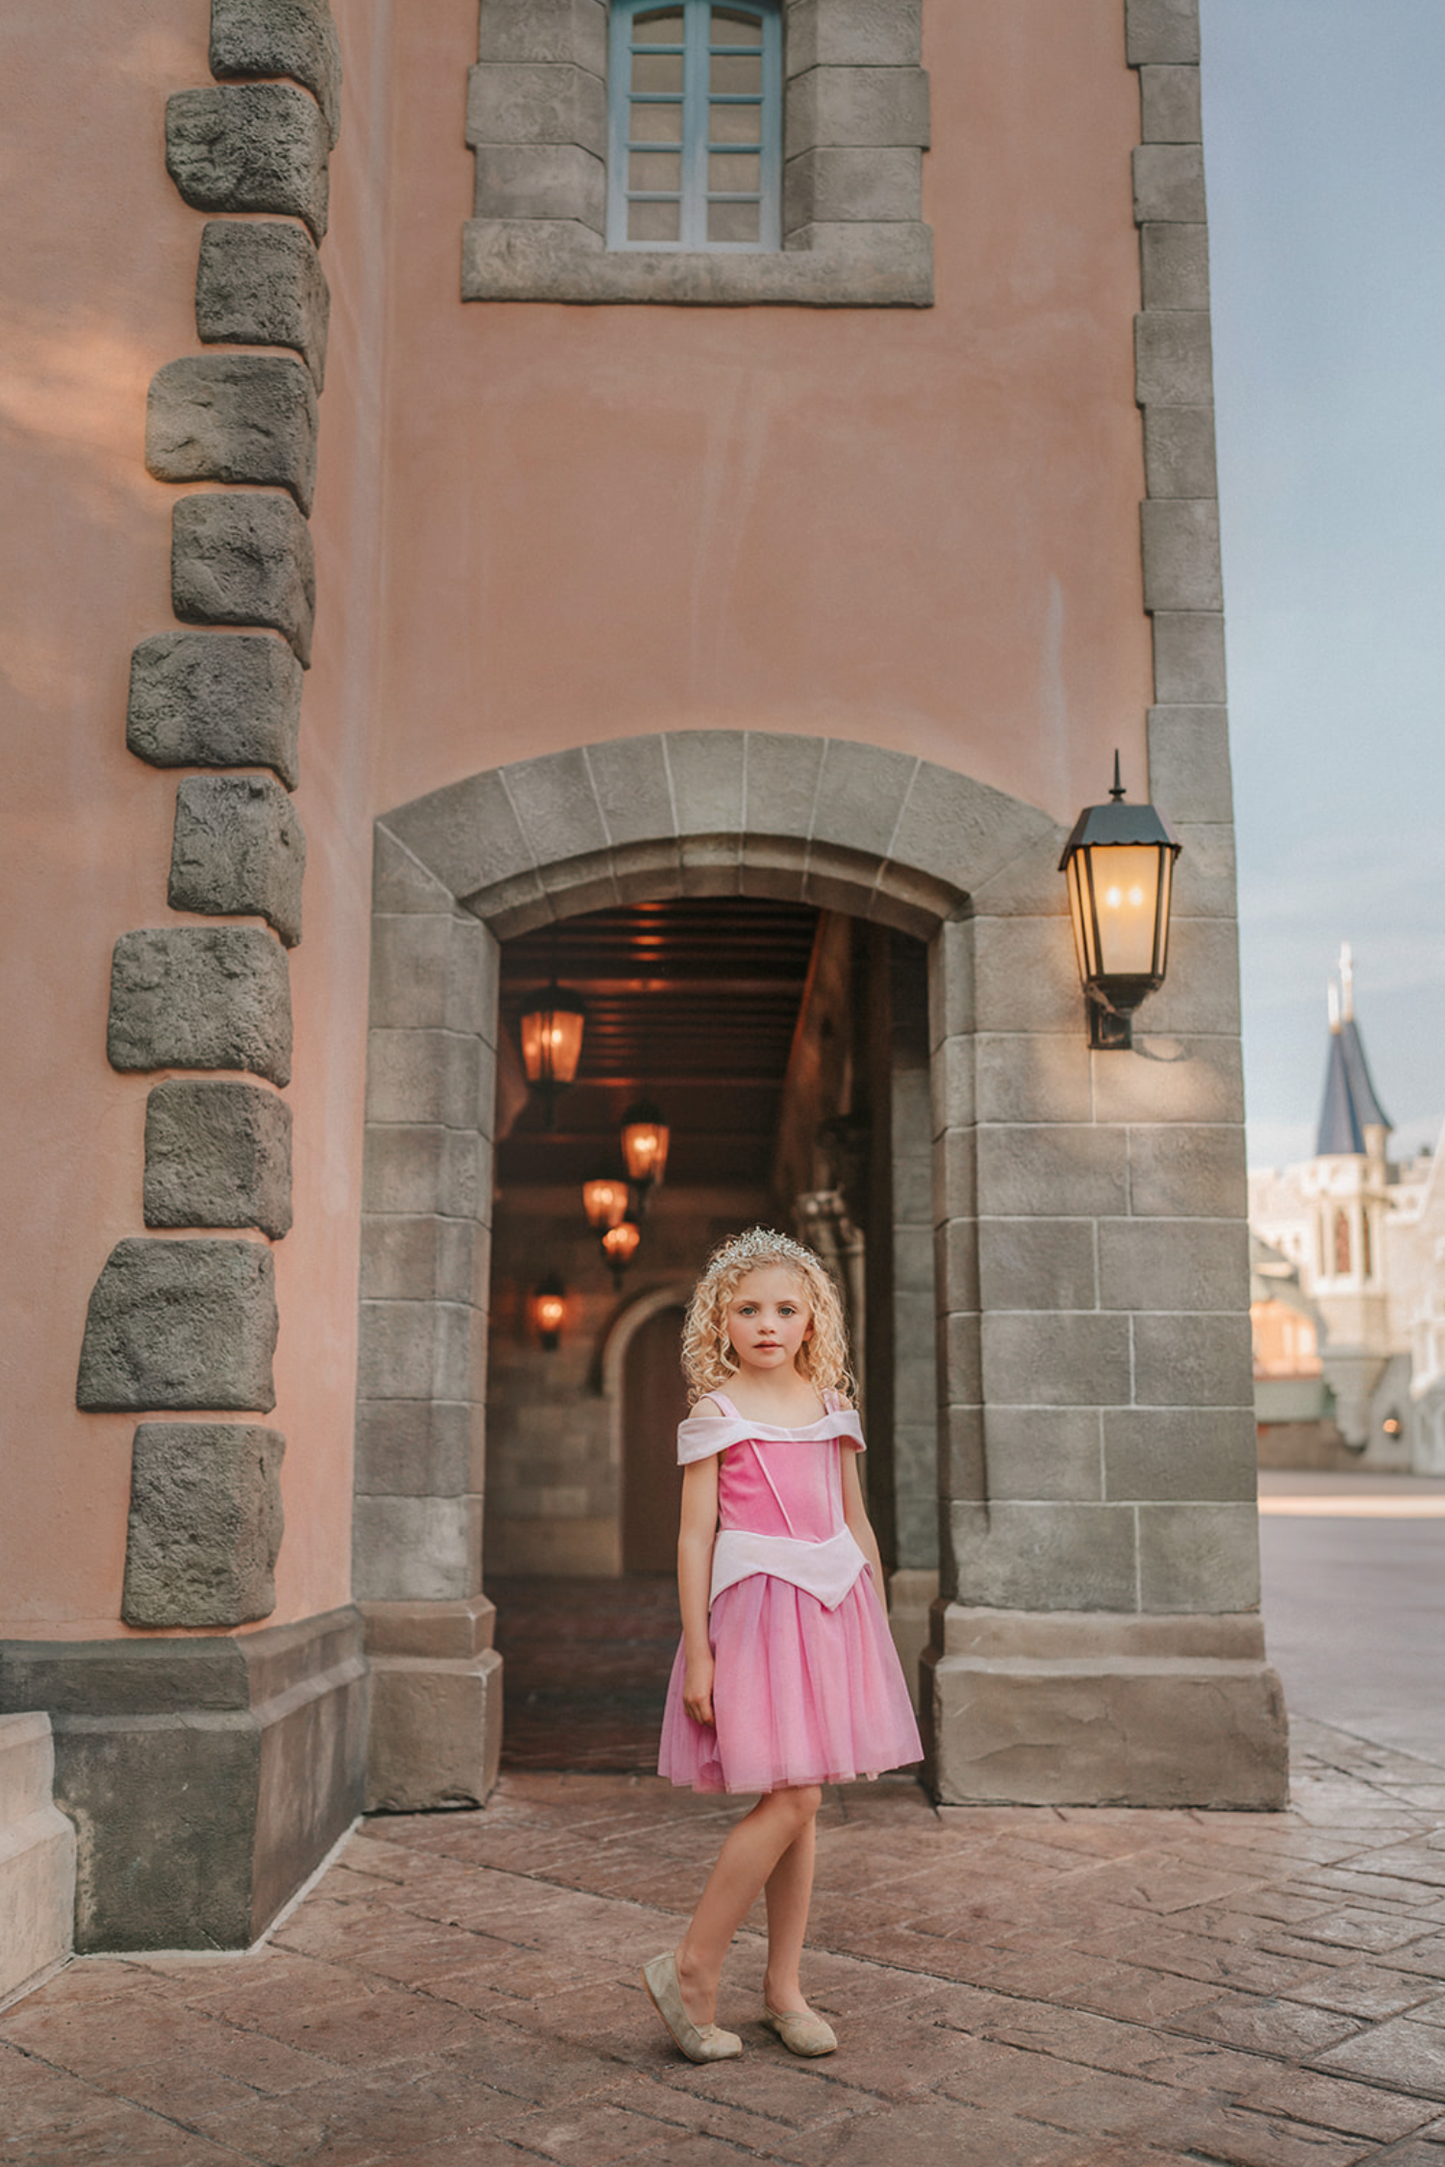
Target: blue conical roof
{"x":1349,"y":1106}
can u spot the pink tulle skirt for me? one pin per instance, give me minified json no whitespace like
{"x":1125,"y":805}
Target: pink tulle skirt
{"x":801,"y":1694}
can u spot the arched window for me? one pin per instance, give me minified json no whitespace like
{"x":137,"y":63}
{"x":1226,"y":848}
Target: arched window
{"x":1367,"y":1268}
{"x":1342,"y":1246}
{"x":695,"y":93}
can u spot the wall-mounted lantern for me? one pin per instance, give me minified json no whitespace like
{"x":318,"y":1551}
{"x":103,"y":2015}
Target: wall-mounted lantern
{"x":1119,"y":862}
{"x":552,"y":1044}
{"x":548,"y":1307}
{"x":645,"y":1138}
{"x":619,"y":1247}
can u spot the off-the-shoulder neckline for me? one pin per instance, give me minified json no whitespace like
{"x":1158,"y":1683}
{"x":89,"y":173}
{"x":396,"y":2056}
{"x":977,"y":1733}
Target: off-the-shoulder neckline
{"x":738,"y":1420}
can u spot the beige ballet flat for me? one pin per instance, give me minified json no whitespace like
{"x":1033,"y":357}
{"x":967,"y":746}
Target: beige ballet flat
{"x":801,"y":2031}
{"x":699,"y":2042}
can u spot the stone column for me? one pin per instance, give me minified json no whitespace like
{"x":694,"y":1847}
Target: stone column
{"x":426,"y":1256}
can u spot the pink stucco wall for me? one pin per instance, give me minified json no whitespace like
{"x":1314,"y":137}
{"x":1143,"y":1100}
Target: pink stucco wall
{"x":536,"y":527}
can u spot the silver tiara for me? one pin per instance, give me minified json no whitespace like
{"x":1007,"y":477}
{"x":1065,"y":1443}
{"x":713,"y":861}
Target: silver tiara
{"x":758,"y":1241}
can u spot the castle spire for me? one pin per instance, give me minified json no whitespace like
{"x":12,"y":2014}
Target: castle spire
{"x":1350,"y":1108}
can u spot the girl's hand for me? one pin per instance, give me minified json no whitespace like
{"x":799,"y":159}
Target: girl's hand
{"x":697,"y":1689}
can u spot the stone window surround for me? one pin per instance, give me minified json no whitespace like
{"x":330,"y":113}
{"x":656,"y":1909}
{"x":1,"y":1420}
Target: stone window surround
{"x":855,"y":128}
{"x":1095,"y":1424}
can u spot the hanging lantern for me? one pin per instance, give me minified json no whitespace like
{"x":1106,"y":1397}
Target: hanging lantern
{"x":605,"y":1202}
{"x":552,"y":1044}
{"x":645,"y":1138}
{"x":619,"y":1247}
{"x":1119,"y":863}
{"x":548,"y":1307}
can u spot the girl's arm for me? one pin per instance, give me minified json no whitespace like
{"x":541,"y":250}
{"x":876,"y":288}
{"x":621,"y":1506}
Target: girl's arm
{"x":860,"y":1527}
{"x":695,"y":1540}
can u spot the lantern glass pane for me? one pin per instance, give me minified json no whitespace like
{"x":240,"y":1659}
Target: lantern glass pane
{"x":1077,"y":906}
{"x":619,"y":1242}
{"x":644,"y":1149}
{"x":1126,"y":896}
{"x":552,"y":1044}
{"x":605,"y":1202}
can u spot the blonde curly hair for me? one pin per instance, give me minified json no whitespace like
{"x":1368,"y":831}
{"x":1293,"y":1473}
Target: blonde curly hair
{"x":708,"y":1361}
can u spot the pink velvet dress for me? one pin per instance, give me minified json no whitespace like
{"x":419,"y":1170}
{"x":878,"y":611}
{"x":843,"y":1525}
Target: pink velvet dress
{"x":808,"y":1686}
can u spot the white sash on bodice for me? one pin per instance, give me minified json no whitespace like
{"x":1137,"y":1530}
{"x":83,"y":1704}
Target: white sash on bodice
{"x":825,"y":1569}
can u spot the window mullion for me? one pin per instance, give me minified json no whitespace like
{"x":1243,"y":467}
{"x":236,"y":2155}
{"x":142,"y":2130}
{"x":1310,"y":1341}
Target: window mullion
{"x":696,"y":22}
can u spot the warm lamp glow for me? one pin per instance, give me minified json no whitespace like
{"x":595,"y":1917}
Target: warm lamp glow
{"x":605,"y":1202}
{"x":548,"y":1308}
{"x":645,"y":1138}
{"x":1119,"y":864}
{"x":619,"y":1246}
{"x":551,"y":1037}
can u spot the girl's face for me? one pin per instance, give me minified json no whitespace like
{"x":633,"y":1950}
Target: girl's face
{"x":768,"y":1319}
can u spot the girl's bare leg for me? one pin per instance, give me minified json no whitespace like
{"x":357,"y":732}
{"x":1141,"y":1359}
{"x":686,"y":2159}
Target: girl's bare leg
{"x":789,"y":1893}
{"x":745,"y":1866}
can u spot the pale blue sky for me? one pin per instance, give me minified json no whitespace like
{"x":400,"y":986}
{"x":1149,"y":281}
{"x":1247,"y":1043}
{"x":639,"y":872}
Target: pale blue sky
{"x":1324,"y":133}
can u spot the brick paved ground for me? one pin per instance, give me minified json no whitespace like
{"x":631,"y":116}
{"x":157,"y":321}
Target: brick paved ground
{"x":1114,"y":1988}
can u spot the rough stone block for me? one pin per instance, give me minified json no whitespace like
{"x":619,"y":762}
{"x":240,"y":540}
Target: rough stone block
{"x":1026,"y":978}
{"x":555,"y":30}
{"x":416,"y":1549}
{"x":180,"y":1324}
{"x":963,"y":832}
{"x":1161,"y":31}
{"x":238,"y":850}
{"x":541,"y":180}
{"x":1183,"y":1360}
{"x":261,"y":284}
{"x":1035,"y":1076}
{"x":468,"y":834}
{"x":1199,"y":1557}
{"x":1173,"y":360}
{"x":1201,"y":992}
{"x":955,"y":1254}
{"x":1179,"y":451}
{"x":1180,"y":540}
{"x":1174,"y":1453}
{"x":862,"y":107}
{"x":419,"y":1448}
{"x":234,"y":418}
{"x":524,"y":102}
{"x":217,"y":1154}
{"x":951,"y":1103}
{"x":1189,"y":665}
{"x":1173,"y":1264}
{"x":1037,"y":1263}
{"x":1169,"y":184}
{"x":841,"y":184}
{"x":962,"y":1472}
{"x":556,"y":806}
{"x":254,"y":147}
{"x":425,"y":1076}
{"x":400,"y":883}
{"x":706,"y":769}
{"x":244,"y":560}
{"x":1189,"y":773}
{"x":1169,"y":104}
{"x":630,"y":782}
{"x":955,"y":1174}
{"x":1059,"y":1358}
{"x":861,"y":792}
{"x":1044,"y":1453}
{"x":854,"y":34}
{"x":213,"y":699}
{"x":424,"y":1169}
{"x":1174,"y":266}
{"x":1075,"y":1171}
{"x":1045,"y":1555}
{"x":1204,"y":874}
{"x":37,"y":1858}
{"x":1187,"y":1171}
{"x":1171,"y":1079}
{"x":205,"y":1524}
{"x":436,"y":1731}
{"x":200,"y":997}
{"x":281,"y":37}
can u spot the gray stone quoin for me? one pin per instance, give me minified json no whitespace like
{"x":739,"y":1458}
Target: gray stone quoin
{"x":215,"y":699}
{"x":281,"y":37}
{"x":250,"y":147}
{"x":260,"y":283}
{"x":217,"y":1154}
{"x":244,"y":560}
{"x":180,"y":1324}
{"x":205,"y":1524}
{"x":234,"y":418}
{"x":200,"y":997}
{"x":238,"y":850}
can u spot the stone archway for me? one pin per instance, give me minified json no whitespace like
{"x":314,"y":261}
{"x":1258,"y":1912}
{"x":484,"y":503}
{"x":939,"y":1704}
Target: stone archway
{"x":1095,"y":1427}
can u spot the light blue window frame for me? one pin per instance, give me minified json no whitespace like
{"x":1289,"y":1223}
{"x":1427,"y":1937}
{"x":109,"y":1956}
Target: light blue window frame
{"x":698,"y":101}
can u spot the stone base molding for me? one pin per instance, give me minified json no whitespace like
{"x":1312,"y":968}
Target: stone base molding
{"x":206,"y":1777}
{"x":1088,"y":1708}
{"x":37,"y":1859}
{"x":436,"y":1707}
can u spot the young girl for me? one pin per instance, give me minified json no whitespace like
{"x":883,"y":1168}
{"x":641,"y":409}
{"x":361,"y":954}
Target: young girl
{"x":786,"y":1677}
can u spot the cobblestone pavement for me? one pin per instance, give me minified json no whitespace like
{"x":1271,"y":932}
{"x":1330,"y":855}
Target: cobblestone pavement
{"x":1013,"y":1988}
